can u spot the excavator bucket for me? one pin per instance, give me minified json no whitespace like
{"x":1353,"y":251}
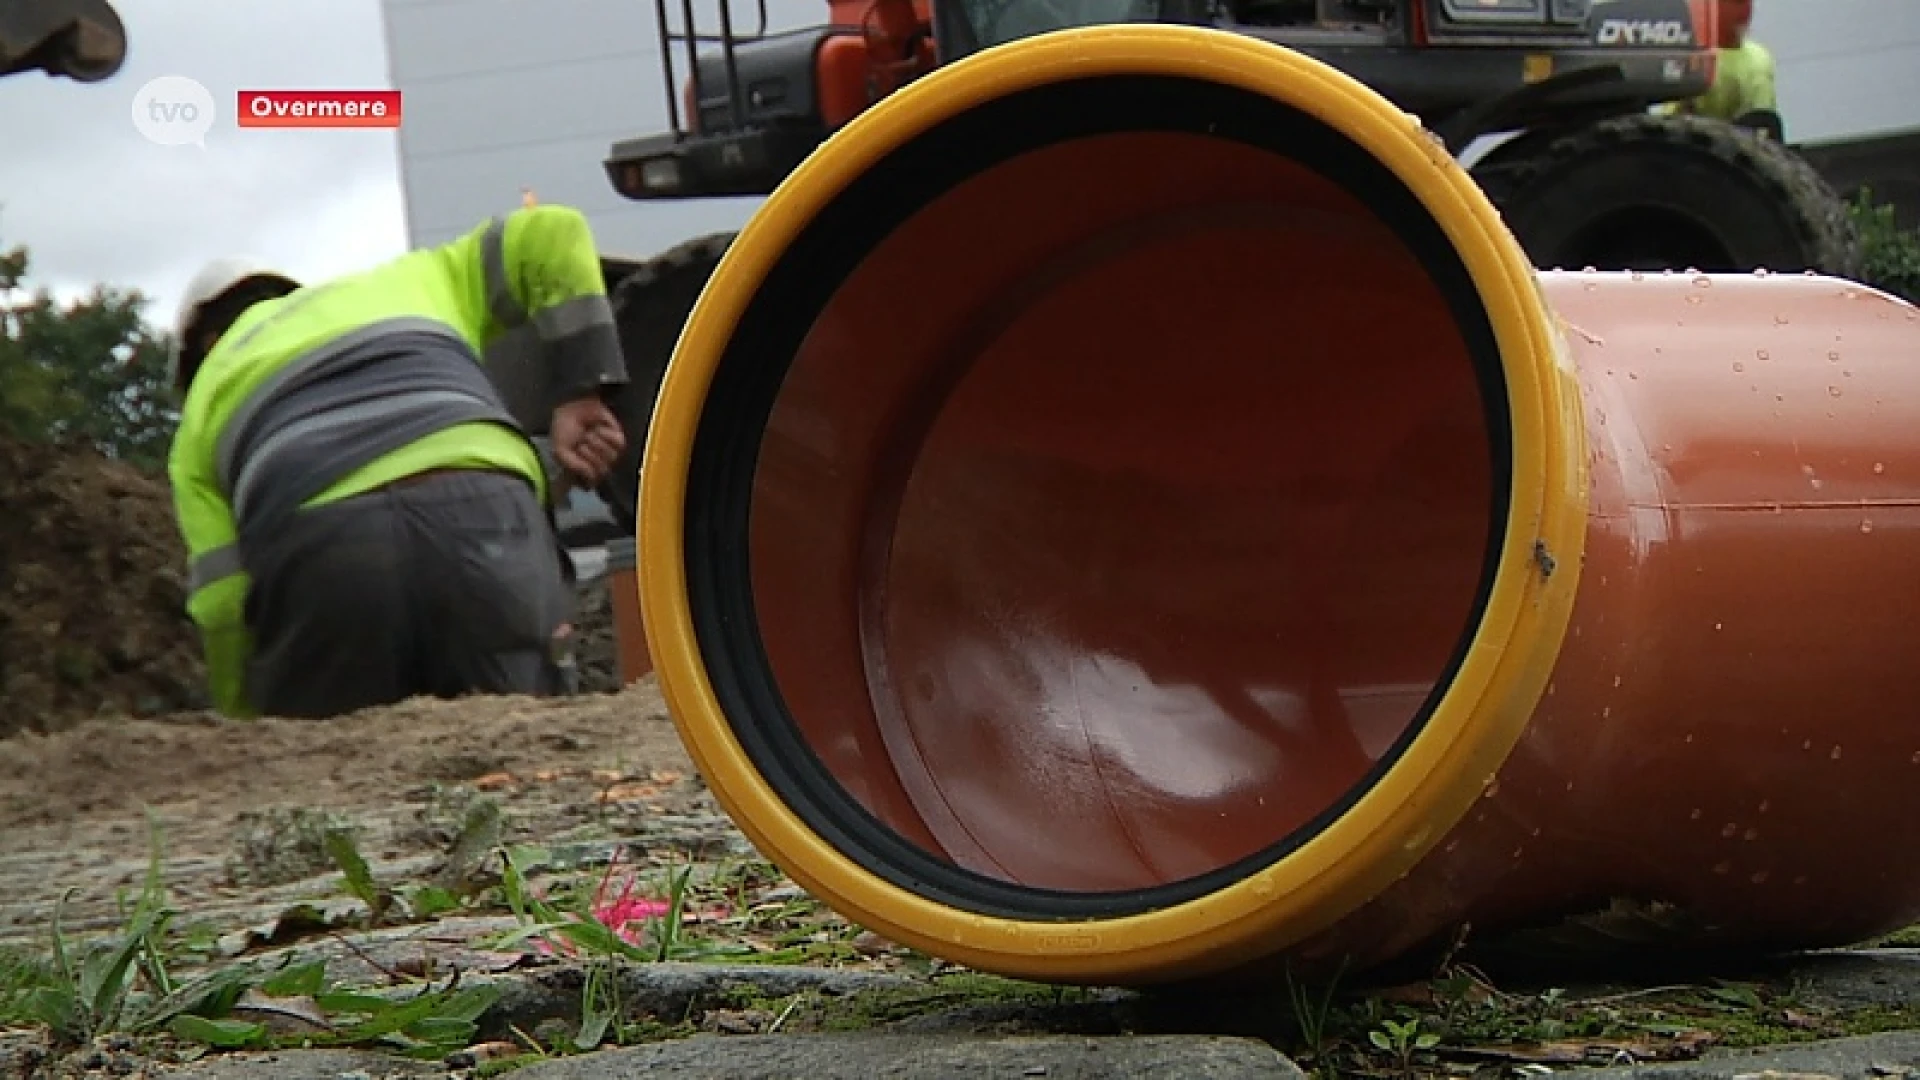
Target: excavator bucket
{"x":82,"y":40}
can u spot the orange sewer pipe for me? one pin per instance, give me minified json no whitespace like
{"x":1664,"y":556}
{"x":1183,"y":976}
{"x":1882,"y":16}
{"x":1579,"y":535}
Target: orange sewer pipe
{"x":1125,"y":510}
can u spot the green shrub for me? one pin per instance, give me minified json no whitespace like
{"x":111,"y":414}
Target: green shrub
{"x":1890,"y":254}
{"x":81,"y":372}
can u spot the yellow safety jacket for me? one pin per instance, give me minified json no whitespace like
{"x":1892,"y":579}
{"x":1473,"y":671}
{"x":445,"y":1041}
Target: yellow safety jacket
{"x":340,"y":388}
{"x":1743,"y":82}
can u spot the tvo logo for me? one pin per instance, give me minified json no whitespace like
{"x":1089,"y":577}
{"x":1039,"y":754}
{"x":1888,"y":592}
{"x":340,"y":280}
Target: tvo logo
{"x":1644,"y":32}
{"x":173,"y":110}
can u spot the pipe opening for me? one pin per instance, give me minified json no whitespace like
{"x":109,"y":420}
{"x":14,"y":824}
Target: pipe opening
{"x":1097,"y":496}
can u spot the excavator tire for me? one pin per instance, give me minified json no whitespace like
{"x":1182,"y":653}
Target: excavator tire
{"x":1646,"y":192}
{"x":650,"y":305}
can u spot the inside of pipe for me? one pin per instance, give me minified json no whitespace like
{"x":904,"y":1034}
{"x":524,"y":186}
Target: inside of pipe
{"x":1123,"y":507}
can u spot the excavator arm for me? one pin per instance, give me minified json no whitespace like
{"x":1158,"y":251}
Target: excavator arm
{"x":82,"y":40}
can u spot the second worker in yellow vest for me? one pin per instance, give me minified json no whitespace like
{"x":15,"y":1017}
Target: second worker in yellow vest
{"x":1743,"y":81}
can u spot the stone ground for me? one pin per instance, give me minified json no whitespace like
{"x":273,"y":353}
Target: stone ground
{"x":782,"y":989}
{"x":239,"y":807}
{"x":256,"y":823}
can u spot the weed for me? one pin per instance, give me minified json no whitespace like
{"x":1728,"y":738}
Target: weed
{"x":123,"y":983}
{"x":353,"y":866}
{"x":1459,"y":1016}
{"x":20,"y":975}
{"x":429,"y":1024}
{"x":85,"y":991}
{"x":1403,"y":1039}
{"x":1311,"y":1015}
{"x":454,"y":885}
{"x":281,"y":845}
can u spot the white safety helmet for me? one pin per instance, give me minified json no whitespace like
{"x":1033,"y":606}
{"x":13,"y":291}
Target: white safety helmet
{"x":215,"y":280}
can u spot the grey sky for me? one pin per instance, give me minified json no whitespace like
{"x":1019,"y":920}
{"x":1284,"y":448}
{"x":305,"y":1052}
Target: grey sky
{"x":96,"y":202}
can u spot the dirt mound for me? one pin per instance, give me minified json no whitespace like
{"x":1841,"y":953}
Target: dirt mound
{"x":92,"y":592}
{"x":93,"y":596}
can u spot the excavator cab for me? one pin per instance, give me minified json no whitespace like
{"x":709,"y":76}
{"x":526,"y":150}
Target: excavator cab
{"x":746,"y":106}
{"x":967,"y":26}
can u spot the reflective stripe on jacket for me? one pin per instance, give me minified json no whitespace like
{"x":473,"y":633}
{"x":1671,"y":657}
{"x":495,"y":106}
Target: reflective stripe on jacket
{"x":296,"y":406}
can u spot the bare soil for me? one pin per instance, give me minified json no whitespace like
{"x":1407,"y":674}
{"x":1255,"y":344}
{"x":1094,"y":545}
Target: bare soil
{"x":229,"y":797}
{"x":100,"y":680}
{"x":92,"y":592}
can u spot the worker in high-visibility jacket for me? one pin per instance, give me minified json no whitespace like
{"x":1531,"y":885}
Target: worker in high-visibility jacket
{"x":364,"y":520}
{"x":1743,"y":81}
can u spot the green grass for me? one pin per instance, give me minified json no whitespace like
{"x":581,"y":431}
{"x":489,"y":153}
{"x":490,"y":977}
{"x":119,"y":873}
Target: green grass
{"x":151,"y":978}
{"x":1459,"y":1016}
{"x":128,"y":982}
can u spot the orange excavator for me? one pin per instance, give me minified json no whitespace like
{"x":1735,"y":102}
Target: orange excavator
{"x":82,"y":40}
{"x":1585,"y":176}
{"x":1588,"y":173}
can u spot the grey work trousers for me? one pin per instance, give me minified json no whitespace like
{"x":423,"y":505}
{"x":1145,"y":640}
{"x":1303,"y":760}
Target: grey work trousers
{"x":443,"y":584}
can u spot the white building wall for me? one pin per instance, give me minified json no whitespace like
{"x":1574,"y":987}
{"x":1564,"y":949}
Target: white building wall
{"x":503,"y":95}
{"x":1847,"y":68}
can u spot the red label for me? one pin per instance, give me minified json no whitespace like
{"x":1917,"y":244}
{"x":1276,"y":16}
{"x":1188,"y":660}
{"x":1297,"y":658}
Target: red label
{"x":319,"y":109}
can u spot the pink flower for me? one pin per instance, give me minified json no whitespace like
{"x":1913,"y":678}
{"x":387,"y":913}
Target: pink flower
{"x":625,"y":914}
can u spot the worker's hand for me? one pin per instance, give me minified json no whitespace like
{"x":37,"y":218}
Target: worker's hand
{"x":586,"y":439}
